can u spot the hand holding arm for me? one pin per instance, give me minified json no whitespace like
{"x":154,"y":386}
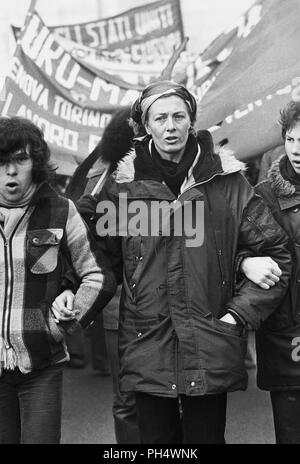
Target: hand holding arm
{"x":261,"y":270}
{"x":62,"y":306}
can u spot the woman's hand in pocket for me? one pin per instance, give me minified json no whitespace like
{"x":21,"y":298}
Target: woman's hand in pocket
{"x":228,"y":318}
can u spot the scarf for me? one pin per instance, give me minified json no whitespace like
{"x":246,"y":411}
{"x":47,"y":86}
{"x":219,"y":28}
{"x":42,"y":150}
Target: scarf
{"x":172,"y":173}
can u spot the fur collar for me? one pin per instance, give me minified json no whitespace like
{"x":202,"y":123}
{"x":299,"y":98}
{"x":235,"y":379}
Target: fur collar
{"x":229,"y":162}
{"x":125,"y":171}
{"x":280,"y":186}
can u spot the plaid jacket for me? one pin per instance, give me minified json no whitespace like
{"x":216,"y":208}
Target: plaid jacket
{"x":49,"y":233}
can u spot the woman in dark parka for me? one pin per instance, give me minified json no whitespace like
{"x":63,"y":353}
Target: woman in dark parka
{"x":182,"y":335}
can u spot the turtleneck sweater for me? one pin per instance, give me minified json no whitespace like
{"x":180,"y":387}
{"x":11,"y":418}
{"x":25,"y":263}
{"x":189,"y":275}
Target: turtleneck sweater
{"x":11,"y":213}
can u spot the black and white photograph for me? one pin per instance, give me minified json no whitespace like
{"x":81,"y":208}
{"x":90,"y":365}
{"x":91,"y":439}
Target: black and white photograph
{"x":149,"y":214}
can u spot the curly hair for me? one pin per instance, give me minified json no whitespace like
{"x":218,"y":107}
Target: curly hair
{"x":289,"y":116}
{"x":18,"y":133}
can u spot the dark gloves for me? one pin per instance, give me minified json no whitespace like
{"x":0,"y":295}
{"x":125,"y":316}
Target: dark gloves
{"x":87,"y":204}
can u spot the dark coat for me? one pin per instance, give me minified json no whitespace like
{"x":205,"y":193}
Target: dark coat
{"x":171,"y":339}
{"x":278,"y":340}
{"x":115,"y":143}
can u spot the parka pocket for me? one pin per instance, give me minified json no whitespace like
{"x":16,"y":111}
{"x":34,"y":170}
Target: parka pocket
{"x":235,"y":329}
{"x":222,"y":347}
{"x":43,"y":249}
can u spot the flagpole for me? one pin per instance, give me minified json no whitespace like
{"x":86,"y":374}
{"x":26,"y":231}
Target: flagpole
{"x":23,"y":29}
{"x":167,"y":71}
{"x":29,"y":13}
{"x":100,"y":182}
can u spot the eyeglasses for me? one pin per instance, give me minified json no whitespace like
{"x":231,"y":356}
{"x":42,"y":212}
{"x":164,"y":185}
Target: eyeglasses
{"x":20,"y":158}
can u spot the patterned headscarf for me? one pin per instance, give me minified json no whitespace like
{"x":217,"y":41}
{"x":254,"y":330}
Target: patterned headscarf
{"x":158,"y":90}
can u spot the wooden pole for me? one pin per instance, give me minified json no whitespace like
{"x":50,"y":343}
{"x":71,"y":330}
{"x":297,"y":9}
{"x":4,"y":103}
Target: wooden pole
{"x":167,"y":71}
{"x":27,"y":19}
{"x":17,"y":49}
{"x":101,"y":181}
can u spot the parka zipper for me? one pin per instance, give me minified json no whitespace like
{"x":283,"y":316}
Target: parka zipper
{"x":196,"y":184}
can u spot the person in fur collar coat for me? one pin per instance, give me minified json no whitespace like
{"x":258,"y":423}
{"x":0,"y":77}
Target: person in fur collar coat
{"x":114,"y":144}
{"x":278,"y":339}
{"x":171,"y":220}
{"x":89,"y":177}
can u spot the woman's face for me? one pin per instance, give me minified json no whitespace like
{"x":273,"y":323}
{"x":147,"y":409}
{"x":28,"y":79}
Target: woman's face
{"x":292,"y":147}
{"x":168,"y":122}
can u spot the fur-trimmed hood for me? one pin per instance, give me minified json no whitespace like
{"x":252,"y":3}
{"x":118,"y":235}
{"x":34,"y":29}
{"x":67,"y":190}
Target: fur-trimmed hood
{"x":280,"y":186}
{"x":222,"y":164}
{"x":125,"y":169}
{"x":115,"y":143}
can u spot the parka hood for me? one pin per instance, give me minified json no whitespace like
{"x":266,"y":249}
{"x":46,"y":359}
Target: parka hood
{"x":138,"y":165}
{"x":280,"y":186}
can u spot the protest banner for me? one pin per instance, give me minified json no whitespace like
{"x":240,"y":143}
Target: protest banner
{"x":151,"y":31}
{"x":68,"y":101}
{"x":134,"y":45}
{"x":261,"y":74}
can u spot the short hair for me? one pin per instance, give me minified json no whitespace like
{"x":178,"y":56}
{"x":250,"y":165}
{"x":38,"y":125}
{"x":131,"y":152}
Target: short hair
{"x":17,"y":133}
{"x":289,"y":116}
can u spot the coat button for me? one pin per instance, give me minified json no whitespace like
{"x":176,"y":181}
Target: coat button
{"x":35,"y":240}
{"x":173,"y":386}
